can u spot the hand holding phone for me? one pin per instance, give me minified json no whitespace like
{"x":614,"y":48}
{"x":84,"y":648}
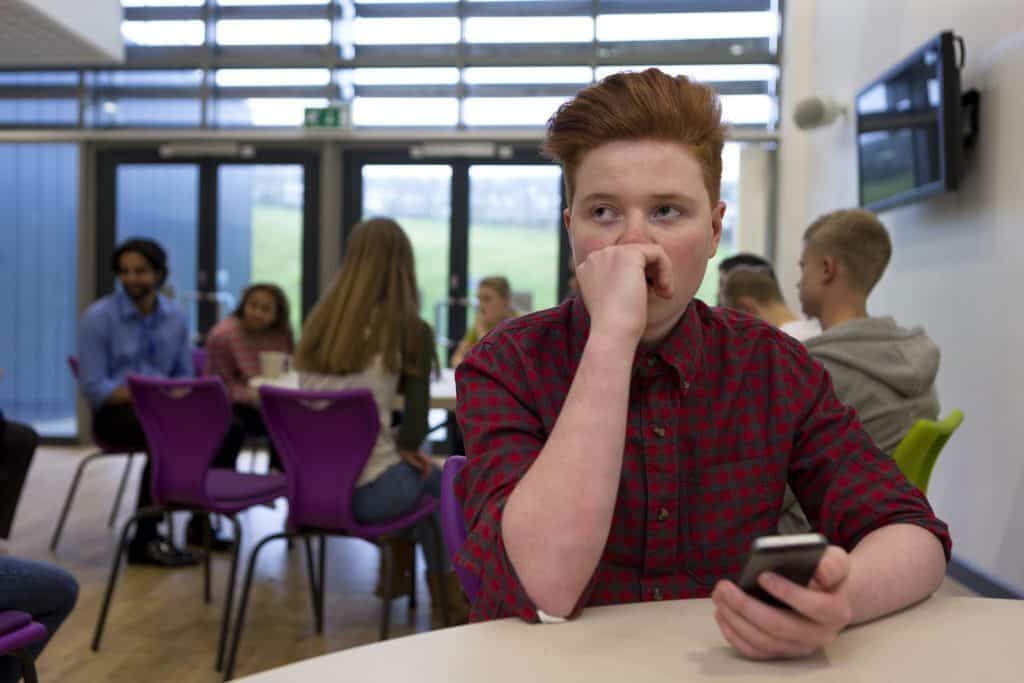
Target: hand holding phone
{"x":794,"y":557}
{"x":807,"y":574}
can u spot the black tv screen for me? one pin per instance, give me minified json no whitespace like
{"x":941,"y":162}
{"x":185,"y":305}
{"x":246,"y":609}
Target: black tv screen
{"x":909,"y":142}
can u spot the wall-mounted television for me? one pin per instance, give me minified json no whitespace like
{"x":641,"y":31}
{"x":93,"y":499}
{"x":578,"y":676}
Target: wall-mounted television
{"x":909,"y":135}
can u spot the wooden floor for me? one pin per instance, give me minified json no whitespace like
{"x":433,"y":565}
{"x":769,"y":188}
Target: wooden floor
{"x":158,"y":629}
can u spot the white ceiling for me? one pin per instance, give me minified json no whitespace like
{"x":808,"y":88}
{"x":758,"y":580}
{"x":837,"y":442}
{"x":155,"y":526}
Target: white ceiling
{"x":60,"y":32}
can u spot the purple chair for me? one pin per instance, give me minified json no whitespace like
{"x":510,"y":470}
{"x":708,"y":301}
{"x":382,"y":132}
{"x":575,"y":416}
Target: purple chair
{"x":105,"y":450}
{"x":185,"y":421}
{"x":18,"y":633}
{"x":324,"y":439}
{"x":453,"y":524}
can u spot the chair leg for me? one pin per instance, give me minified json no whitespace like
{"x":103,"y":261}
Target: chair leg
{"x":169,"y":523}
{"x":114,"y":569}
{"x":70,"y":497}
{"x":120,"y":492}
{"x":243,"y":604}
{"x":28,"y":666}
{"x":323,"y":579}
{"x":207,"y":552}
{"x":229,"y":593}
{"x":387,"y":560}
{"x":412,"y":581}
{"x":438,"y":562}
{"x":314,"y":585}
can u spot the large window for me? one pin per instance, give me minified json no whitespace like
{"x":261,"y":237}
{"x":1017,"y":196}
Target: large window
{"x":428,"y":63}
{"x":38,"y":252}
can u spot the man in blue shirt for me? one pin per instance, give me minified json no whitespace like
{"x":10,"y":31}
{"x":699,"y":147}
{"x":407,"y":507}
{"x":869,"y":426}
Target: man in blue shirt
{"x":135,"y":330}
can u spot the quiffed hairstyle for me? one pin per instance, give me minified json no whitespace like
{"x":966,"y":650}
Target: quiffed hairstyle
{"x":753,"y":282}
{"x":282,"y":321}
{"x":371,"y":307}
{"x":149,"y":250}
{"x":635,"y":106}
{"x":857,"y":239}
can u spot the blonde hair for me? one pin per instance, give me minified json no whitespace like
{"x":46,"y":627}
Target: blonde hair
{"x":755,"y":283}
{"x":371,"y":307}
{"x":636,"y":106}
{"x":499,"y":283}
{"x":857,"y":239}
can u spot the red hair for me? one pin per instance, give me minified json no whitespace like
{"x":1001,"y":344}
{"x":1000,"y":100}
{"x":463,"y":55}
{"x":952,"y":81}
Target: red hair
{"x":636,"y":106}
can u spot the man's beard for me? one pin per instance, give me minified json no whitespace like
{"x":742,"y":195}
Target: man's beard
{"x":138,"y":293}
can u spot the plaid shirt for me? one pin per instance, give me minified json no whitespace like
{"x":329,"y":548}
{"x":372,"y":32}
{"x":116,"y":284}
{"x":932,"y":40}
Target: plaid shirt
{"x":721,"y":415}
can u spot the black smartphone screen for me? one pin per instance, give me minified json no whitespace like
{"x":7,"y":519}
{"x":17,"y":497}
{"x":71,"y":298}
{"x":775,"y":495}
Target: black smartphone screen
{"x":796,"y":561}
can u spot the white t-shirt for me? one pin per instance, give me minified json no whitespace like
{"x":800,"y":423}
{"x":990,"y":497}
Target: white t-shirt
{"x":802,"y":330}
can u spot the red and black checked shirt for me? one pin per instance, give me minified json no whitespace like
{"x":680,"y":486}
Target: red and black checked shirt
{"x":721,"y":415}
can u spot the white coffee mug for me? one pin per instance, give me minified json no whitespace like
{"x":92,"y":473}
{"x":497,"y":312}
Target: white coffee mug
{"x":273,"y":364}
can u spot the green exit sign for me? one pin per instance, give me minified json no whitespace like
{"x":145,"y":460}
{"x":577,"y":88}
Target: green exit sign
{"x":333,"y":116}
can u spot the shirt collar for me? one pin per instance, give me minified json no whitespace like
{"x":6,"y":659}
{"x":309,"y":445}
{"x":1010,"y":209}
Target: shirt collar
{"x":126,"y":308}
{"x":682,"y":350}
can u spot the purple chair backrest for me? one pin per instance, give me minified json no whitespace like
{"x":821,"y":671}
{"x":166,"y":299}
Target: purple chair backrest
{"x":198,"y":361}
{"x":17,"y":631}
{"x":453,"y":524}
{"x":12,"y":620}
{"x":185,"y":421}
{"x":324,"y":439}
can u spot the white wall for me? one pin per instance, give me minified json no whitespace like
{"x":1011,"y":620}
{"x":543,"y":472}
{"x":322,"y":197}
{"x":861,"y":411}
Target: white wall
{"x":60,"y":32}
{"x":958,"y":259}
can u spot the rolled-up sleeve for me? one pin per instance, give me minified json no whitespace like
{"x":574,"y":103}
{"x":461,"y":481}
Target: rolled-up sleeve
{"x":845,"y":484}
{"x":94,"y":372}
{"x":503,"y":438}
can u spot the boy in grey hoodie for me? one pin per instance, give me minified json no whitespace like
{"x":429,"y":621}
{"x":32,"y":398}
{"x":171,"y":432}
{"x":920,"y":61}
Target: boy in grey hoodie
{"x":884,"y":371}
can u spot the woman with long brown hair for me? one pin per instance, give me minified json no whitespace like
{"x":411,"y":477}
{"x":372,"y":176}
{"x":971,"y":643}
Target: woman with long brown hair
{"x":366,"y":332}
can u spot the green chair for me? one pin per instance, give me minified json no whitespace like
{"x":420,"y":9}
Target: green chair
{"x":917,"y":452}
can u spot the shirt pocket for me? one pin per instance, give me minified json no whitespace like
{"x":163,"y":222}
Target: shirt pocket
{"x":729,"y":505}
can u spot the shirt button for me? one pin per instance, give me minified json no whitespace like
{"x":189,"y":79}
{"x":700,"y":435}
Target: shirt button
{"x":686,"y":387}
{"x":663,"y":514}
{"x":658,"y":430}
{"x":657,"y":595}
{"x":651,"y":361}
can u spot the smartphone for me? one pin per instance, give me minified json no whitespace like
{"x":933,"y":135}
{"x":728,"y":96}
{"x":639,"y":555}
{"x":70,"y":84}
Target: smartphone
{"x":794,"y":556}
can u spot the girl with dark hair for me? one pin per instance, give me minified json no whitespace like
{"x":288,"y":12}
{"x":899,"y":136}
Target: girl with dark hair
{"x":260,"y":323}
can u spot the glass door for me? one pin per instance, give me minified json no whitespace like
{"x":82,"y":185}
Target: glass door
{"x":467,"y":219}
{"x":515,"y":231}
{"x":418,"y":197}
{"x":161,"y":202}
{"x":260,"y":225}
{"x":225,"y":223}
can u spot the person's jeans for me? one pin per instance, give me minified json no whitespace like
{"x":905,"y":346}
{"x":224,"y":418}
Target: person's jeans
{"x":395,"y":492}
{"x":45,"y":591}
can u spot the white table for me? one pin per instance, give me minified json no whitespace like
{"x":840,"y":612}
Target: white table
{"x":959,"y":640}
{"x":442,"y":388}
